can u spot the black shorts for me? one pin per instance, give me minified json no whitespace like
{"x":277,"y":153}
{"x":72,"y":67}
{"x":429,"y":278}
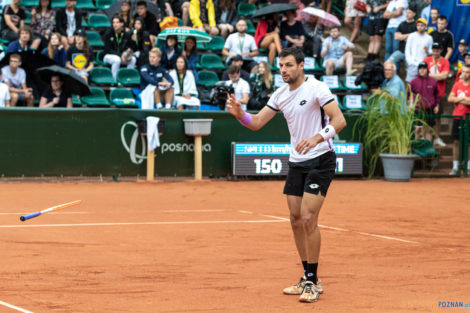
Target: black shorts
{"x":455,"y":132}
{"x":312,"y":176}
{"x":441,"y":106}
{"x":377,"y":27}
{"x":425,"y":115}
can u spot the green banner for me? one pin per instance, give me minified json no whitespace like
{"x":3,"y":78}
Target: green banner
{"x":91,"y":142}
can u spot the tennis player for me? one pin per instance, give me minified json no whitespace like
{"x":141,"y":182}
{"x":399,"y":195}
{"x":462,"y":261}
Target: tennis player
{"x":313,"y":118}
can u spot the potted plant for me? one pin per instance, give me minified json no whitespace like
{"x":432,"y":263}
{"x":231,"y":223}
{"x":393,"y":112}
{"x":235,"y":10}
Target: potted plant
{"x":387,"y":125}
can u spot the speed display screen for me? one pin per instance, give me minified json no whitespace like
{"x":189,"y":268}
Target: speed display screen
{"x":270,"y":159}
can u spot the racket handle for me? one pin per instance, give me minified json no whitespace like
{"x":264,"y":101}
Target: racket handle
{"x":28,"y":216}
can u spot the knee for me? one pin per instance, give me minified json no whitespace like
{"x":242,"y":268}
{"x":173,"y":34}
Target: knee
{"x":296,"y":221}
{"x":272,"y":46}
{"x":308,"y":222}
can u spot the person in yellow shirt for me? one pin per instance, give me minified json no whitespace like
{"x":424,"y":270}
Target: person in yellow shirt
{"x":202,"y":15}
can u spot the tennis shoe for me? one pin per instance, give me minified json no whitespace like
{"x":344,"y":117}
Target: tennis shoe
{"x":295,"y":289}
{"x":310,"y":293}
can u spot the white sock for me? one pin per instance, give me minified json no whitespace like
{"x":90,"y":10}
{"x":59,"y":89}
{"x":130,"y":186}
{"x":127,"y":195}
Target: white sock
{"x":455,"y":165}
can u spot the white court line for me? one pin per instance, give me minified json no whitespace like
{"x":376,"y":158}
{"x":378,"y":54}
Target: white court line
{"x":387,"y":237}
{"x":21,"y":213}
{"x":141,"y":223}
{"x":14,"y":307}
{"x":191,"y":211}
{"x":245,"y":212}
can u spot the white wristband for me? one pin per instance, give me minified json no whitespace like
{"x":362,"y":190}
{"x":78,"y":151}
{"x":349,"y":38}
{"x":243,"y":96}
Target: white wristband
{"x":328,"y":132}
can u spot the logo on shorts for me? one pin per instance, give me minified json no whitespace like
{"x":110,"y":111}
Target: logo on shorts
{"x":313,"y":186}
{"x":303,"y":102}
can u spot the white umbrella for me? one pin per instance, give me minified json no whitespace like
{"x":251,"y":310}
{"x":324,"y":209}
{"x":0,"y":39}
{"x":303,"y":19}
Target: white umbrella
{"x":327,"y":19}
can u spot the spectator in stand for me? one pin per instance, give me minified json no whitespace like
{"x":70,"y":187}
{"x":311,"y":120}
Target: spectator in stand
{"x":466,"y":62}
{"x":150,"y":21}
{"x":202,"y":15}
{"x":393,"y":84}
{"x":226,"y":17}
{"x":299,"y":10}
{"x":181,"y":9}
{"x":439,"y":68}
{"x":326,"y":5}
{"x":263,"y":87}
{"x":80,"y":55}
{"x":140,"y":42}
{"x":241,"y":86}
{"x":463,"y":46}
{"x":460,"y":96}
{"x":292,"y":31}
{"x":24,"y":41}
{"x":68,"y":21}
{"x":403,"y":31}
{"x":117,"y":46}
{"x":12,"y":21}
{"x":267,"y":36}
{"x":126,"y":13}
{"x":353,"y":20}
{"x":15,"y":77}
{"x":184,"y":85}
{"x":170,"y":52}
{"x":156,"y":82}
{"x":426,"y":11}
{"x":4,"y":94}
{"x":395,"y":13}
{"x":337,"y":53}
{"x":418,"y":46}
{"x":419,"y":5}
{"x":376,"y":26}
{"x":444,"y":37}
{"x":314,"y":32}
{"x":55,"y":50}
{"x":433,"y":20}
{"x":238,"y":61}
{"x":165,"y":9}
{"x":241,"y":44}
{"x":191,"y":55}
{"x":55,"y":96}
{"x":42,"y":22}
{"x":428,"y":102}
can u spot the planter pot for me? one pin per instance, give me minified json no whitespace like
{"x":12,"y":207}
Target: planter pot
{"x":397,"y":167}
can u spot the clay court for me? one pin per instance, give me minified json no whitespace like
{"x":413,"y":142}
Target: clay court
{"x":219,"y":246}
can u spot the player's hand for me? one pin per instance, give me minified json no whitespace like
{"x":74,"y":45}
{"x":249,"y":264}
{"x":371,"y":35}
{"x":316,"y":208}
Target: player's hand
{"x":235,"y":107}
{"x":306,"y":144}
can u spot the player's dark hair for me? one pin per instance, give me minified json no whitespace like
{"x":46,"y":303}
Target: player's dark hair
{"x":144,"y":3}
{"x":233,"y":69}
{"x":296,"y":52}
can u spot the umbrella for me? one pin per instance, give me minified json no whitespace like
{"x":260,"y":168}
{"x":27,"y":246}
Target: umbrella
{"x":183,"y":32}
{"x":327,"y":19}
{"x":274,"y":8}
{"x":116,"y":7}
{"x":72,"y":82}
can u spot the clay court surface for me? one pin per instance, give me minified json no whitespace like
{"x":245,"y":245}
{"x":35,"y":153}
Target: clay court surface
{"x":219,"y":246}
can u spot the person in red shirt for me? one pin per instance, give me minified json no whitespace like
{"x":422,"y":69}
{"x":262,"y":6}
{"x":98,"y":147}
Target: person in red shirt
{"x":460,"y":96}
{"x":439,"y":68}
{"x":467,"y":61}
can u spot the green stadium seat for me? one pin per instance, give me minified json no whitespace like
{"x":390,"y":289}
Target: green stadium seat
{"x":246,"y":9}
{"x":122,"y":98}
{"x":424,"y":148}
{"x":27,"y":20}
{"x":128,"y":76}
{"x":58,"y":4}
{"x":29,"y":3}
{"x":211,"y":61}
{"x":99,"y":58}
{"x":207,"y":78}
{"x":84,"y":22}
{"x":97,"y":20}
{"x":85,"y":4}
{"x":200,"y":46}
{"x":332,"y":82}
{"x":216,"y":44}
{"x":102,"y":76}
{"x":349,"y":83}
{"x":103,"y":4}
{"x":94,"y":39}
{"x":76,"y":101}
{"x":262,"y":5}
{"x":251,"y":28}
{"x":353,"y":102}
{"x":180,"y":22}
{"x":96,"y":99}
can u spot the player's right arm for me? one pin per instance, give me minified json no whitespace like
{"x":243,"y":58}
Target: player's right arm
{"x":251,"y":121}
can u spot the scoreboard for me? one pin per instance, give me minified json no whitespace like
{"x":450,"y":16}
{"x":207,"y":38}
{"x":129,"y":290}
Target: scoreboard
{"x":270,"y":159}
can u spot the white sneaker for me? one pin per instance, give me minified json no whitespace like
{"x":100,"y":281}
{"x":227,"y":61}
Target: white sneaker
{"x":168,"y":106}
{"x":453,"y":172}
{"x":438,"y":142}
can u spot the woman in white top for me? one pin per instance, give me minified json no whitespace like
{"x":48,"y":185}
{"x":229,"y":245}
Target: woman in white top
{"x":184,"y":85}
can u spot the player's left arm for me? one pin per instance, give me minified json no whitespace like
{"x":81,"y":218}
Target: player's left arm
{"x":337,"y":123}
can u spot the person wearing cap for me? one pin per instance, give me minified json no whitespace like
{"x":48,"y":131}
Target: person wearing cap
{"x":418,"y":46}
{"x":80,"y":55}
{"x":395,"y":13}
{"x":237,"y":60}
{"x":466,"y":62}
{"x":403,"y":31}
{"x":428,"y":103}
{"x":463,"y":46}
{"x":68,"y":20}
{"x":241,"y":44}
{"x":439,"y":68}
{"x":444,"y":37}
{"x":460,"y":97}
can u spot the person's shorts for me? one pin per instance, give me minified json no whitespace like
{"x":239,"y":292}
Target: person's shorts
{"x":425,"y":115}
{"x":311,"y":176}
{"x":441,"y":106}
{"x":81,"y":73}
{"x":339,"y":63}
{"x":455,"y":132}
{"x":377,"y":27}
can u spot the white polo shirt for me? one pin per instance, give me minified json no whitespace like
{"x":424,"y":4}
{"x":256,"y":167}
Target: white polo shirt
{"x":240,"y":87}
{"x":237,"y":45}
{"x":302,"y":109}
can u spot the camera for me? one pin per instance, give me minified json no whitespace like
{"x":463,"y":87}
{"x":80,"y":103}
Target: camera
{"x":220,"y":94}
